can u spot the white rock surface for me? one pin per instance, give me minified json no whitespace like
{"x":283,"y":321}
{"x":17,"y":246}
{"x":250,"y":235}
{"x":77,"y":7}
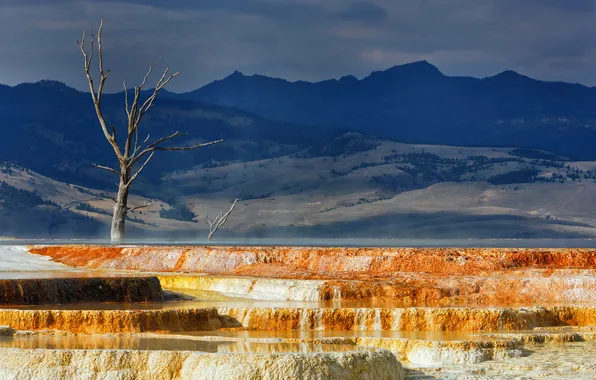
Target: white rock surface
{"x":131,"y":364}
{"x":17,"y":258}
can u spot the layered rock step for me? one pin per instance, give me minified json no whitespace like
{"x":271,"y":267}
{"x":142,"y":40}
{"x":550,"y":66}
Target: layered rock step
{"x":114,"y":321}
{"x":413,"y":347}
{"x":119,"y":318}
{"x":520,"y":287}
{"x":62,"y":289}
{"x":402,"y":276}
{"x":442,"y":312}
{"x":317,"y":262}
{"x":314,"y":355}
{"x":410,"y":319}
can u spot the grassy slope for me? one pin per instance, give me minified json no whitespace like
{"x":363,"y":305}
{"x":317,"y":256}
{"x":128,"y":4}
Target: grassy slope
{"x":290,"y":196}
{"x":301,"y":198}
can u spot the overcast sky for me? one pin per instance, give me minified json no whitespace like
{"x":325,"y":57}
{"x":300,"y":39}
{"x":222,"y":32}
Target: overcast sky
{"x":298,"y":39}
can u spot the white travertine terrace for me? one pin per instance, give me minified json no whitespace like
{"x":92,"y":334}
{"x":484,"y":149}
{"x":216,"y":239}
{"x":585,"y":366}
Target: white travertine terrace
{"x":144,"y":364}
{"x":447,"y":313}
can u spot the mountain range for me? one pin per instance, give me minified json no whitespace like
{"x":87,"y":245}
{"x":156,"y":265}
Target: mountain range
{"x":52,"y":129}
{"x":407,"y":147}
{"x":416,"y":103}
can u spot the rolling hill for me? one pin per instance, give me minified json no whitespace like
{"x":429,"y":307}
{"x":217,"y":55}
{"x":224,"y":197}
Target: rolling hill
{"x":52,"y":129}
{"x":380,"y":188}
{"x":350,"y":186}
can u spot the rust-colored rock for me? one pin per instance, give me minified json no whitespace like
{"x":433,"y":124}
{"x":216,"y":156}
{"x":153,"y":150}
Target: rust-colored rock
{"x":317,"y":262}
{"x":403,"y":276}
{"x":85,"y":289}
{"x":500,"y":288}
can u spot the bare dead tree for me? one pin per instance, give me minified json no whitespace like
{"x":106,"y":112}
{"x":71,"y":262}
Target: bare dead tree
{"x":133,"y":152}
{"x":219,"y":220}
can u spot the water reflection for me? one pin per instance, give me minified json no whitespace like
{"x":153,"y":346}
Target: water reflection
{"x":131,"y":342}
{"x":248,"y":335}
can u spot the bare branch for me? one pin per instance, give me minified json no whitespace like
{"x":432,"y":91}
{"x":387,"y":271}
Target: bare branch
{"x":88,"y":62}
{"x":96,"y":95}
{"x":135,"y":114}
{"x":113,"y":132}
{"x":154,"y":146}
{"x":138,"y":147}
{"x":134,"y":151}
{"x":140,"y":169}
{"x":91,"y":47}
{"x":135,"y":101}
{"x":106,"y":168}
{"x":147,"y":204}
{"x":166,"y":138}
{"x":163,"y":81}
{"x":126,"y":98}
{"x":150,"y":147}
{"x":219,"y":221}
{"x":189,"y":147}
{"x":148,"y":73}
{"x":103,"y":75}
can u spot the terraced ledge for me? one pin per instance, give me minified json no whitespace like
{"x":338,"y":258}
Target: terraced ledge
{"x":53,"y":363}
{"x":40,"y":291}
{"x":529,"y":287}
{"x":316,"y":262}
{"x":445,"y":352}
{"x":252,"y":288}
{"x":427,"y":352}
{"x":334,"y":319}
{"x":410,"y":319}
{"x":468,"y":349}
{"x":449,"y":352}
{"x":404,"y":276}
{"x":113,"y":321}
{"x":537,"y":337}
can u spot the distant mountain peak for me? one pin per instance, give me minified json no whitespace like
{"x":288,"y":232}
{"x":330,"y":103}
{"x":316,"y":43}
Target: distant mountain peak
{"x":510,"y":75}
{"x":47,"y":84}
{"x":421,"y":67}
{"x":415,"y":70}
{"x":236,"y":74}
{"x":348,"y":79}
{"x":57,"y":85}
{"x":421,"y":63}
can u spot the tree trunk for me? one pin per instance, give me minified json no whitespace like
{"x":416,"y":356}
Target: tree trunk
{"x":120,"y":210}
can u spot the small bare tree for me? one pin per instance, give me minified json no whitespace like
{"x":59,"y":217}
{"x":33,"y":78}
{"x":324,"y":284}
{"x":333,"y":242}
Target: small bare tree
{"x":133,"y":152}
{"x":219,"y":221}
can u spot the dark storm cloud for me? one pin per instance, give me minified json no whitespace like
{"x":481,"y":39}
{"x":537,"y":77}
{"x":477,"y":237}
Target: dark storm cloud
{"x":363,"y":11}
{"x":564,"y":5}
{"x":299,"y":39}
